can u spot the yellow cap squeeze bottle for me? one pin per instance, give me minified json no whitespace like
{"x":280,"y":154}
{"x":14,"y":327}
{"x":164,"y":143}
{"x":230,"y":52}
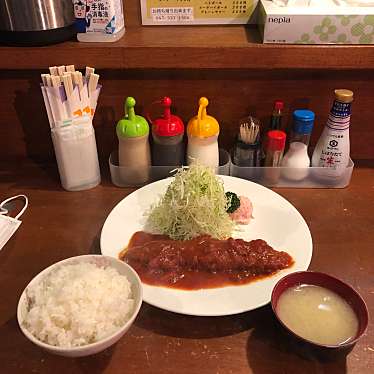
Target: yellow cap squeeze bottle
{"x":203,"y":131}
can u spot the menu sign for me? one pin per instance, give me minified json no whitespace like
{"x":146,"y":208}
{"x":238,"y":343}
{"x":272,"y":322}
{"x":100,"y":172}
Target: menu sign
{"x":165,"y":12}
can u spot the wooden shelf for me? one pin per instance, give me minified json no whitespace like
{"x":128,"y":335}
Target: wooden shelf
{"x":231,"y":47}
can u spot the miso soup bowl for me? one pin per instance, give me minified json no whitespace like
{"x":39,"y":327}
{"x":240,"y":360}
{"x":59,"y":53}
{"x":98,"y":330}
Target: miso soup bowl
{"x":333,"y":284}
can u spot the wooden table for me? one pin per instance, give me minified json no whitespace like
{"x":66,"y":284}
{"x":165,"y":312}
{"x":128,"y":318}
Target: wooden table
{"x":60,"y":224}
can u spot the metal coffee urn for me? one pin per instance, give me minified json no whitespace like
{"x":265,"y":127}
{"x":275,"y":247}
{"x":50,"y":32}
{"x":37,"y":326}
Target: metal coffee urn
{"x":36,"y":22}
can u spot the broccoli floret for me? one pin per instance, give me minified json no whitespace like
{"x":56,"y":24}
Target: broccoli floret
{"x":233,"y":202}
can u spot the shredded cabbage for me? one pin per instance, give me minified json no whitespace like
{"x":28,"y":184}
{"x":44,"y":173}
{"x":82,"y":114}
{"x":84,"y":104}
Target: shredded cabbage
{"x":194,"y":204}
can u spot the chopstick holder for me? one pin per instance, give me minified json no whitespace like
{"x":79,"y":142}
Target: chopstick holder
{"x":70,"y":102}
{"x":76,"y":153}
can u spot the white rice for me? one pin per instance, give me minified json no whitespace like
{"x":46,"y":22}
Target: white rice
{"x":78,"y":304}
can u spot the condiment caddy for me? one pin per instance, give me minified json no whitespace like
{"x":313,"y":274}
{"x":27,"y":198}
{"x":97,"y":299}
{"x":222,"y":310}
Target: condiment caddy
{"x":123,"y":176}
{"x":331,"y":164}
{"x":262,"y":159}
{"x":153,"y":149}
{"x":280,"y":168}
{"x":312,"y":176}
{"x":167,"y":145}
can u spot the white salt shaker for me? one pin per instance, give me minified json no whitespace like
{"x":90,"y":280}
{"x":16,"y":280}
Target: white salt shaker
{"x":296,"y":161}
{"x":76,"y":153}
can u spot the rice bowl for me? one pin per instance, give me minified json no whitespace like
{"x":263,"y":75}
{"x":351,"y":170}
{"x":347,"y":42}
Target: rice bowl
{"x":81,"y":305}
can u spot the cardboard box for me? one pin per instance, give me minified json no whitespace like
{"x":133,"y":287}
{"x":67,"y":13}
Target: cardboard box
{"x":198,"y":12}
{"x":326,"y":23}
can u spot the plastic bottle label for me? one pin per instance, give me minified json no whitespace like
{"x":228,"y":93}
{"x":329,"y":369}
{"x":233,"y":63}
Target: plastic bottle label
{"x":331,"y":156}
{"x":341,"y":109}
{"x":339,"y":117}
{"x":99,"y":16}
{"x":332,"y":150}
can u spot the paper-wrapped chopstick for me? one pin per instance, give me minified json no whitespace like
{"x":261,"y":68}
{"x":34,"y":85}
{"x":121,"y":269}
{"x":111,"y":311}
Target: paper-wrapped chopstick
{"x":93,"y":91}
{"x":53,"y":70}
{"x":54,"y":98}
{"x":89,"y":71}
{"x":46,"y":78}
{"x":67,"y":94}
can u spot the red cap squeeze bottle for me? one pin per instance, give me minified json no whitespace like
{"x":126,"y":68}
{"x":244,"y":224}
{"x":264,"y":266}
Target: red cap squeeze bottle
{"x":169,"y":124}
{"x":167,"y":134}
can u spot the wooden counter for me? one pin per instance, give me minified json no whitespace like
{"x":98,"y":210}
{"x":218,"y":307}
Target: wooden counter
{"x":60,"y":224}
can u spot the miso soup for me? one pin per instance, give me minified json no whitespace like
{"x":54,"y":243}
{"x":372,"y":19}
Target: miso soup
{"x":317,"y":314}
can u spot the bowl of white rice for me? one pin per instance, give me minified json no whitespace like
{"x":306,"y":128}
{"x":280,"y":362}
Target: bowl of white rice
{"x":81,"y":305}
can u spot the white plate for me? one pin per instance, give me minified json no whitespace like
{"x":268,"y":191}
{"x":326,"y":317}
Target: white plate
{"x":275,"y":220}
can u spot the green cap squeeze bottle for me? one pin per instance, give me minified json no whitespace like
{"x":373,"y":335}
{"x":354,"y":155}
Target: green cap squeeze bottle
{"x":132,"y":125}
{"x":133,"y":146}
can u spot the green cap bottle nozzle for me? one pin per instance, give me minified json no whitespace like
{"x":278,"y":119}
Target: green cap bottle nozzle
{"x":131,"y":125}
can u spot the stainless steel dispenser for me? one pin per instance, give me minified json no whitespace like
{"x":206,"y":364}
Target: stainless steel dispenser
{"x":36,"y":22}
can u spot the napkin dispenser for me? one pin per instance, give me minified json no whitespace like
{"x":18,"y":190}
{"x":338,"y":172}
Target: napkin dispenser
{"x":36,"y":22}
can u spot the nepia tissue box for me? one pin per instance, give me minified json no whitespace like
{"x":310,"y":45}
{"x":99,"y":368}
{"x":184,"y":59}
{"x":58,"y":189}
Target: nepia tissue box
{"x":198,"y":12}
{"x":324,"y":22}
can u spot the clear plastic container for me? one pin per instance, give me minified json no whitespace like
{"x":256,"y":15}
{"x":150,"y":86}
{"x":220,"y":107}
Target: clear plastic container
{"x":76,"y":153}
{"x":313,"y":177}
{"x":129,"y":176}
